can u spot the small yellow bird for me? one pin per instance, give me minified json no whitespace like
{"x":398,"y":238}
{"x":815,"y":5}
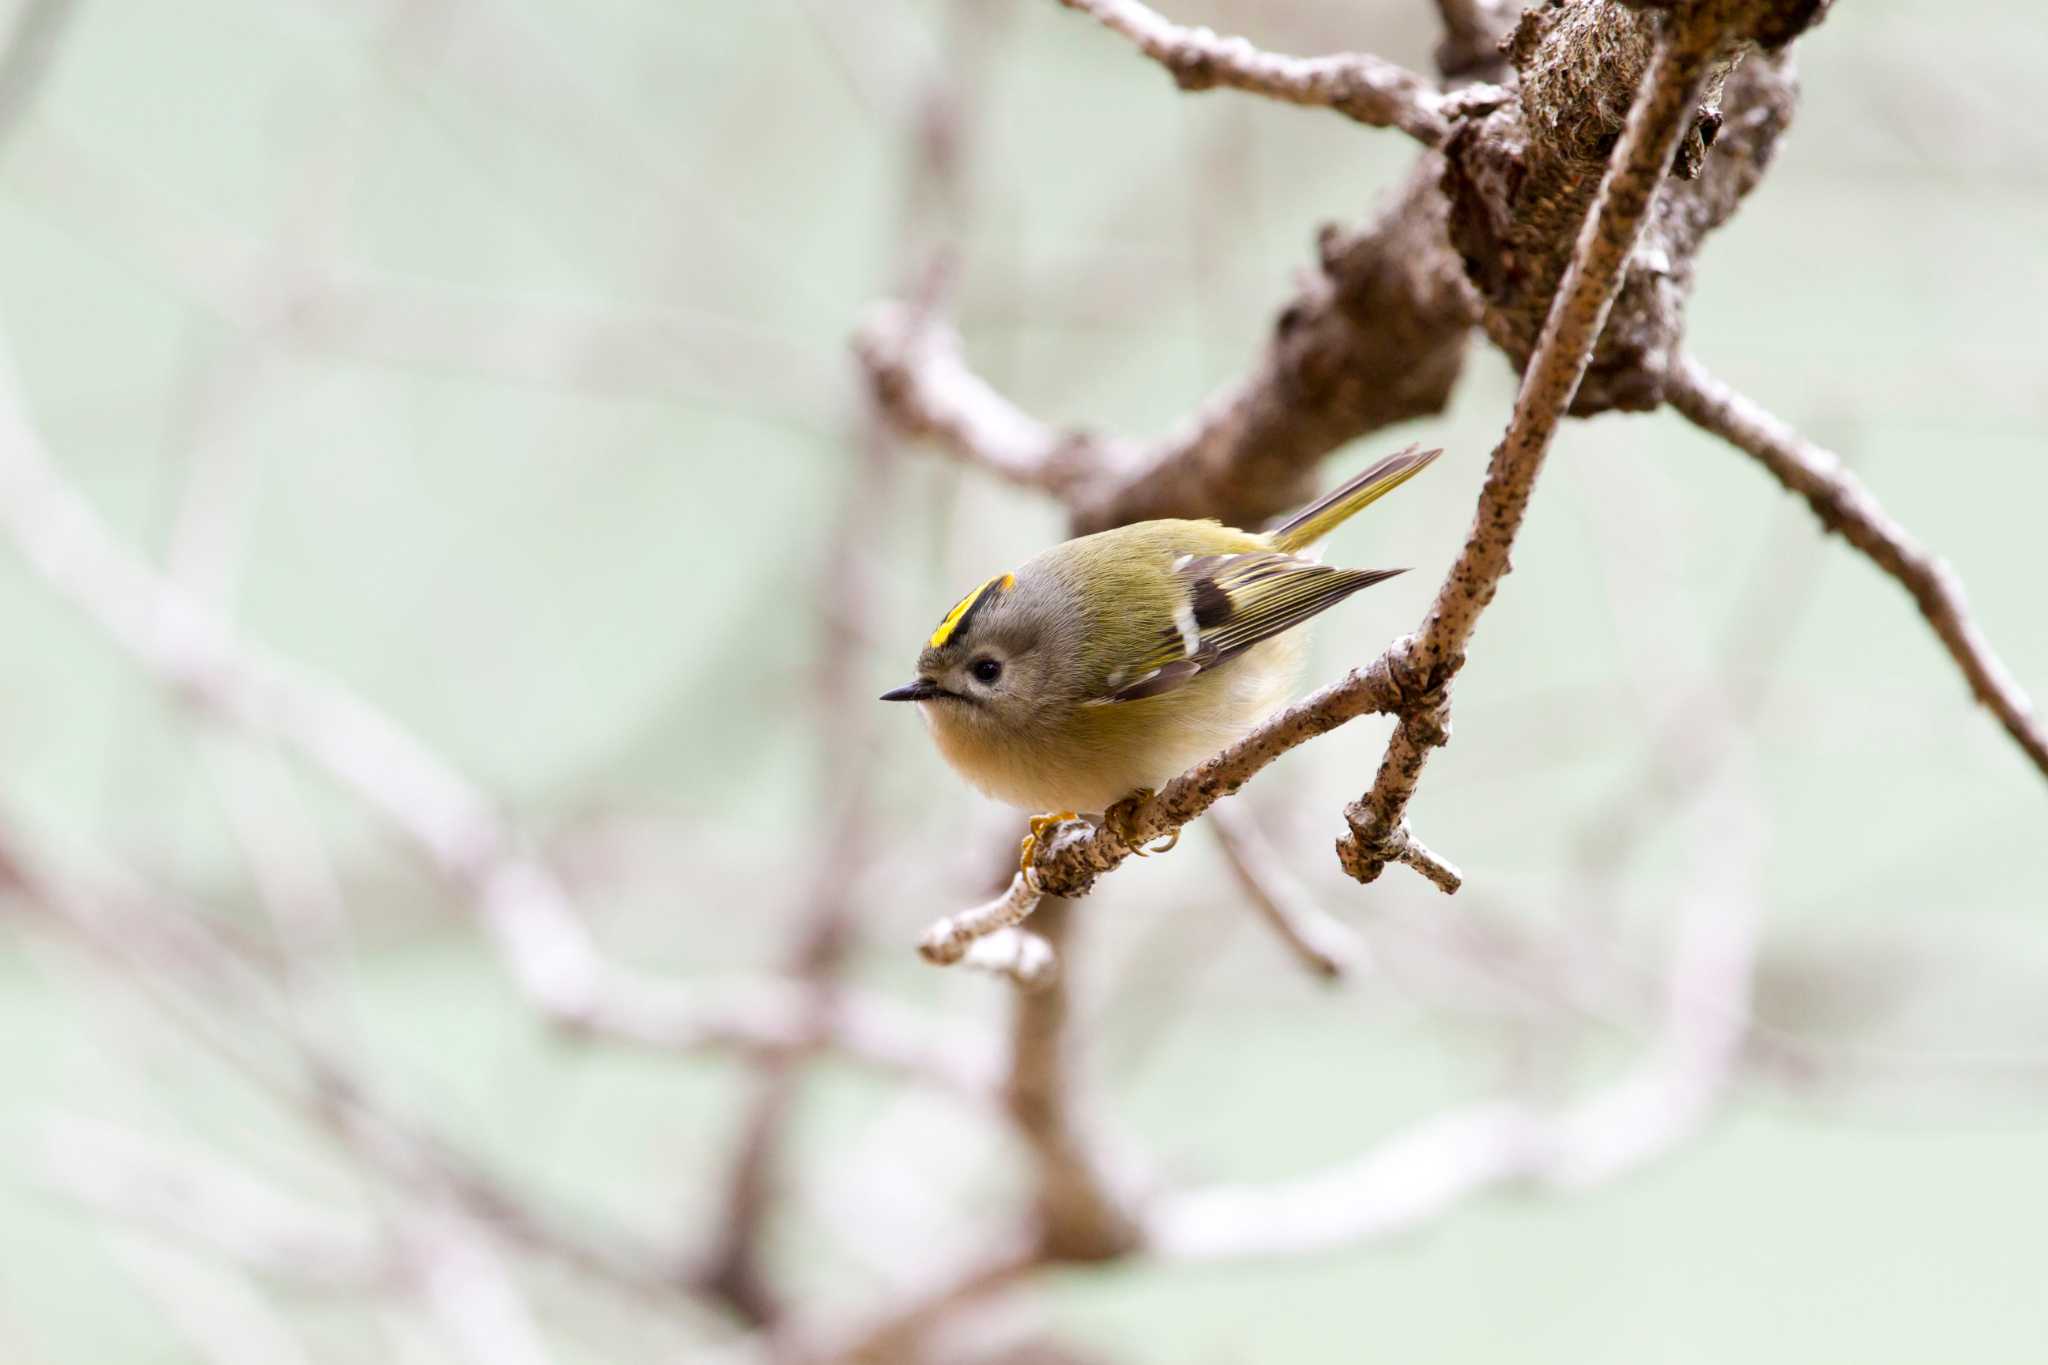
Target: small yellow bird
{"x":1113,"y":662}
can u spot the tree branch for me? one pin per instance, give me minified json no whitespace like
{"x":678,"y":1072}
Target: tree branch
{"x":1358,"y":85}
{"x":544,"y":943}
{"x":1221,"y":468}
{"x":1319,"y":940}
{"x":1375,"y":335}
{"x":947,"y":941}
{"x":1084,"y":1215}
{"x":1520,"y":177}
{"x":1077,"y":852}
{"x":1411,"y":679}
{"x":1844,"y":506}
{"x":1670,"y":89}
{"x":919,"y":377}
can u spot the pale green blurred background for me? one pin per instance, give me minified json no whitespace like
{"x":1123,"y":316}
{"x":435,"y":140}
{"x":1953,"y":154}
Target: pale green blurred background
{"x":491,"y":357}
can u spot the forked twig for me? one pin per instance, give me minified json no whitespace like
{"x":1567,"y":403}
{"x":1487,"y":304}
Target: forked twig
{"x":1663,"y":110}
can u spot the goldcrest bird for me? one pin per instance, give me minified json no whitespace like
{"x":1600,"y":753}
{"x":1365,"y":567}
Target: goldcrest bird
{"x":1113,"y":662}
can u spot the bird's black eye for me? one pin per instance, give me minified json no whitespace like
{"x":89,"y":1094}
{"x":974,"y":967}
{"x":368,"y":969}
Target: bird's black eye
{"x":986,"y":671}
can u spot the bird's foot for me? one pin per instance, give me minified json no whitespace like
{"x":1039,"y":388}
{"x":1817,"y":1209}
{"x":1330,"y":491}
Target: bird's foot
{"x":1029,"y":849}
{"x":1118,"y":818}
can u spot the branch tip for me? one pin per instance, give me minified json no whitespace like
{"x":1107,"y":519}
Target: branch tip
{"x":949,"y":939}
{"x":1017,"y":954}
{"x":1423,"y":665}
{"x":1358,"y":85}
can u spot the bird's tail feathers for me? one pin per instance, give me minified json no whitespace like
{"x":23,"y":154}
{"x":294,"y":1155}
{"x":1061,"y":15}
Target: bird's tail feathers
{"x":1326,"y":514}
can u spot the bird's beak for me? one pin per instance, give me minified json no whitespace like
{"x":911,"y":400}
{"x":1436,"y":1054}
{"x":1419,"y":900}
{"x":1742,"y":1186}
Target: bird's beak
{"x":923,"y":689}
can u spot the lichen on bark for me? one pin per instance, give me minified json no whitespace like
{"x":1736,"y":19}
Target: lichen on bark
{"x":1520,"y":174}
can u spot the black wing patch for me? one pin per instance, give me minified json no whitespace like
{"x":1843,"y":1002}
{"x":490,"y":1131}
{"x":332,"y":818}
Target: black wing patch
{"x":1212,"y":604}
{"x":1233,"y":602}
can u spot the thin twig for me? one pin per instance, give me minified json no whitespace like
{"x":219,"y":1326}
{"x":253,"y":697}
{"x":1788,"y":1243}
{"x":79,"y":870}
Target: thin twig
{"x":947,"y":941}
{"x":1077,"y":852}
{"x":1322,"y":942}
{"x":1848,"y":508}
{"x":1662,"y":111}
{"x":1360,"y":86}
{"x":924,"y":384}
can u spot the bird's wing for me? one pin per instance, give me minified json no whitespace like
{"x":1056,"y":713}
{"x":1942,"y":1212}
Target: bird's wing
{"x":1225,"y":604}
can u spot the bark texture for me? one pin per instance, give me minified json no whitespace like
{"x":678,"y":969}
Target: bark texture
{"x":1520,"y":177}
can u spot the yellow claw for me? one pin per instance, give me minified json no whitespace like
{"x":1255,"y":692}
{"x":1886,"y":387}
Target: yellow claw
{"x":1117,"y":819}
{"x":1039,"y":825}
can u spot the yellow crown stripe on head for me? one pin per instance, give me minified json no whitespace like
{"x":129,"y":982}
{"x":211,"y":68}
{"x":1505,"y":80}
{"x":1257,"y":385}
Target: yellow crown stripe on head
{"x":1002,"y":582}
